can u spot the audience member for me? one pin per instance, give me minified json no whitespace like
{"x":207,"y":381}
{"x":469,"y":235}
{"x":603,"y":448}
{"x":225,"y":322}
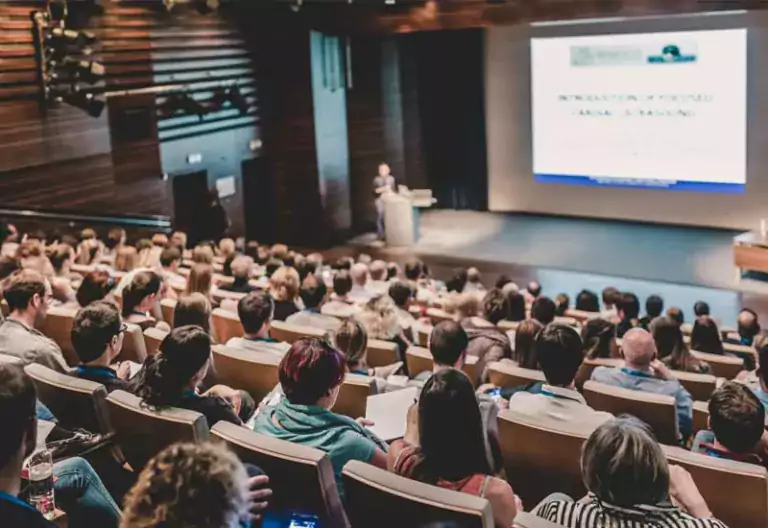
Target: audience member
{"x":759,"y":384}
{"x":90,"y":248}
{"x":705,"y":336}
{"x":179,"y":240}
{"x":116,"y":238}
{"x":643,"y":372}
{"x":393,"y":271}
{"x":630,"y":483}
{"x":599,"y":337}
{"x":543,"y":310}
{"x":195,"y":486}
{"x":486,"y":342}
{"x":97,"y":336}
{"x":448,"y":408}
{"x":61,"y":258}
{"x":736,"y":425}
{"x":272,"y":266}
{"x":474,"y":281}
{"x":654,"y":307}
{"x":340,"y":305}
{"x":310,"y":375}
{"x":193,"y":309}
{"x":96,"y":286}
{"x":170,"y":260}
{"x":8,"y":265}
{"x":458,"y":281}
{"x":700,"y":309}
{"x":559,"y":353}
{"x":671,"y":347}
{"x":380,"y":319}
{"x":9,"y":238}
{"x":378,"y":283}
{"x":465,"y":306}
{"x":532,"y":291}
{"x":141,"y":299}
{"x":313,"y":294}
{"x":562,"y":304}
{"x":202,"y":254}
{"x":126,"y":259}
{"x":255,"y":311}
{"x":171,"y":378}
{"x":587,"y":301}
{"x":241,"y":271}
{"x":28,"y":295}
{"x":628,"y":307}
{"x":748,"y":326}
{"x":402,"y":295}
{"x":676,"y":314}
{"x":284,"y":287}
{"x":200,"y":280}
{"x":611,"y":298}
{"x":514,"y":303}
{"x":352,"y":341}
{"x":524,"y":353}
{"x":360,"y":292}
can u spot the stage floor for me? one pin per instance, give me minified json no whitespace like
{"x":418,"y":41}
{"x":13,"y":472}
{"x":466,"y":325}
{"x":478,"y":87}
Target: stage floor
{"x":683,"y":264}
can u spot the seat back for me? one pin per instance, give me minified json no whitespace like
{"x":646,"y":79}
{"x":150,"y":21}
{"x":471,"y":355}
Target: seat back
{"x":382,"y":353}
{"x":700,"y":416}
{"x":220,"y":295}
{"x":142,"y":432}
{"x":290,"y":333}
{"x":438,"y":315}
{"x":701,"y":386}
{"x":152,"y":339}
{"x":375,"y":497}
{"x":581,"y":315}
{"x":301,"y":478}
{"x":134,"y":348}
{"x":736,"y":492}
{"x":727,"y":367}
{"x":353,"y":395}
{"x":529,"y":520}
{"x":507,"y":374}
{"x":656,"y":410}
{"x":589,"y":365}
{"x":419,"y":359}
{"x":508,"y":326}
{"x":76,"y":403}
{"x":251,"y":371}
{"x":747,"y":353}
{"x":226,"y":324}
{"x":58,"y":327}
{"x":168,"y":307}
{"x":540,"y":456}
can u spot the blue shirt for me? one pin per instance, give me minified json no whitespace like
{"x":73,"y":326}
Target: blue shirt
{"x":645,"y":382}
{"x":761,"y":395}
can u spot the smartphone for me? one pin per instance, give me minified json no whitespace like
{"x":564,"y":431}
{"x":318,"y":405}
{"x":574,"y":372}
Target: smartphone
{"x":304,"y":521}
{"x":495,"y":394}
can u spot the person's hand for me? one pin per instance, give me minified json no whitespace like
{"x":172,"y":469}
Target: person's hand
{"x":518,"y":504}
{"x":485,"y":387}
{"x":258,"y":495}
{"x":661,"y":371}
{"x":683,"y":490}
{"x":231,"y":395}
{"x":365,"y":422}
{"x":124,"y":370}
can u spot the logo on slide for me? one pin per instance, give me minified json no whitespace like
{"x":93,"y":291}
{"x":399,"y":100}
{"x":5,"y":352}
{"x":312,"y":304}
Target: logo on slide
{"x":671,"y":54}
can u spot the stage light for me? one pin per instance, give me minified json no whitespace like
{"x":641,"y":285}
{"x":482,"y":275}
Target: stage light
{"x":88,"y":71}
{"x":85,"y":101}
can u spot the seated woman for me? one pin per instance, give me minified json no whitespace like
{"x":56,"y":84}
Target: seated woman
{"x":705,"y":336}
{"x":599,"y":338}
{"x":352,"y":341}
{"x":61,"y":257}
{"x":380,"y":319}
{"x":448,"y":408}
{"x":126,"y":259}
{"x":141,"y":299}
{"x":630,"y":483}
{"x":310,"y":374}
{"x":96,"y":286}
{"x":514,"y":303}
{"x":172,"y":378}
{"x":284,"y":287}
{"x":193,"y":309}
{"x":524,"y":352}
{"x":672,"y":349}
{"x":200,"y":280}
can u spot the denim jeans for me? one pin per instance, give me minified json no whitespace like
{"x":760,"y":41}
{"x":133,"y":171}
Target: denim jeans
{"x":81,"y":494}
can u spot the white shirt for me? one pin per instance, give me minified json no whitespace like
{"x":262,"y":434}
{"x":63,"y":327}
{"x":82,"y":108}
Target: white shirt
{"x":560,"y":404}
{"x":360,"y":294}
{"x":315,"y":320}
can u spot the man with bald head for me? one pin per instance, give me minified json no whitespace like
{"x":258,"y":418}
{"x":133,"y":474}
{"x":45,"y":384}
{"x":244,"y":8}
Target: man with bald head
{"x":360,"y":292}
{"x":642,"y":371}
{"x":378,"y":283}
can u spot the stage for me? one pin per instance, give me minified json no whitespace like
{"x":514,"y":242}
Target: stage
{"x":683,"y":264}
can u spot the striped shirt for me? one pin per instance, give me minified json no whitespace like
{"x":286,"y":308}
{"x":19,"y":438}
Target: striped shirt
{"x":597,"y":514}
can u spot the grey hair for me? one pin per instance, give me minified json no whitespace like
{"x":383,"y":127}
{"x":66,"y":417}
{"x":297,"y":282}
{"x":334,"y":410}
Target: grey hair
{"x":623,"y":464}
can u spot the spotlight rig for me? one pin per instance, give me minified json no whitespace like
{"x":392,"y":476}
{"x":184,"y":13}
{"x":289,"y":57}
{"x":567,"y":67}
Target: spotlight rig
{"x":62,"y":63}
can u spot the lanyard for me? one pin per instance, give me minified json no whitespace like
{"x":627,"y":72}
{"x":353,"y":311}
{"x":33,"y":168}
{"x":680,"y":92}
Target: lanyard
{"x":551,"y":394}
{"x":103,"y":371}
{"x":639,"y":373}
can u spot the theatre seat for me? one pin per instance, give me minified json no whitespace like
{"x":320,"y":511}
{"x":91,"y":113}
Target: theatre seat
{"x":656,"y":410}
{"x":134,"y":348}
{"x":378,"y":498}
{"x":382,"y":353}
{"x":301,"y":478}
{"x":701,"y":386}
{"x":226,"y":324}
{"x":76,"y":403}
{"x":438,"y":315}
{"x":581,"y":315}
{"x":567,"y":320}
{"x":253,"y":372}
{"x":58,"y":326}
{"x":541,"y":456}
{"x":747,"y":353}
{"x":589,"y":365}
{"x":507,"y":374}
{"x":152,"y":339}
{"x":419,"y":359}
{"x":727,"y":367}
{"x":700,"y":416}
{"x":352,"y":400}
{"x":168,"y":307}
{"x":290,"y":333}
{"x":142,"y":432}
{"x":736,"y":492}
{"x":220,"y":295}
{"x":508,"y":326}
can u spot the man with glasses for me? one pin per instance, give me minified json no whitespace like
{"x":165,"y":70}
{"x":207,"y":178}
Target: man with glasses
{"x":29,"y":295}
{"x":97,"y":335}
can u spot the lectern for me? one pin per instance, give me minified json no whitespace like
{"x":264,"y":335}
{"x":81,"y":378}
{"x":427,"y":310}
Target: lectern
{"x":402,"y":212}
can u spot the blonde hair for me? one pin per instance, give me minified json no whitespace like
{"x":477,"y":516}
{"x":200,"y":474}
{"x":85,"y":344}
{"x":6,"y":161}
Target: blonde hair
{"x":189,"y":486}
{"x":379,"y":318}
{"x":467,"y":305}
{"x":202,"y":255}
{"x":126,"y":258}
{"x":179,"y":238}
{"x":352,"y":340}
{"x":227,"y":247}
{"x":193,"y":309}
{"x":279,"y":251}
{"x":284,"y":284}
{"x":200,"y":279}
{"x":241,"y":266}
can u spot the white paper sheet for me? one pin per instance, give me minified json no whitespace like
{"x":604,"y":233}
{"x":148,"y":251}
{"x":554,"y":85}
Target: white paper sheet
{"x":389,"y":411}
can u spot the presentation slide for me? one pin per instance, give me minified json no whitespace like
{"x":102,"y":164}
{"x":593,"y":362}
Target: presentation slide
{"x":651,"y":110}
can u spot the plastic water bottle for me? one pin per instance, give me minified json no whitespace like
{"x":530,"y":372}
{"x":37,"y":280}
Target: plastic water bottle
{"x":40,"y":466}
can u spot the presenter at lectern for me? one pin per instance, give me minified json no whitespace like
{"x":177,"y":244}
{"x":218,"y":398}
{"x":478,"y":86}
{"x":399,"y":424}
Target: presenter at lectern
{"x":383,"y":184}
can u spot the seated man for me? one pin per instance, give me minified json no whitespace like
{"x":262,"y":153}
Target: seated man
{"x":313,"y":293}
{"x":748,"y":326}
{"x":402,"y":294}
{"x":559,"y":351}
{"x":340,"y":305}
{"x":629,"y":314}
{"x":643,"y":372}
{"x":241,"y":271}
{"x":255,"y":311}
{"x":378,"y":283}
{"x":654,"y":306}
{"x":360,"y":292}
{"x":758,"y":379}
{"x":486,"y":341}
{"x":29,"y":295}
{"x":97,"y":335}
{"x":736,"y":421}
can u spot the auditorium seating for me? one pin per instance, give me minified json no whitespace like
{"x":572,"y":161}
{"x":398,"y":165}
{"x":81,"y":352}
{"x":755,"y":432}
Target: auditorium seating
{"x":168,"y":307}
{"x":301,"y":478}
{"x":290,"y":333}
{"x":656,"y":410}
{"x":419,"y":359}
{"x":253,"y":372}
{"x":354,"y":391}
{"x":141,"y":432}
{"x":507,"y":375}
{"x":375,"y":497}
{"x":134,"y":348}
{"x":589,"y":365}
{"x":541,"y":456}
{"x":727,"y":367}
{"x":226,"y":325}
{"x":700,"y":416}
{"x":701,"y":386}
{"x":382,"y":353}
{"x":508,"y":326}
{"x":58,"y":326}
{"x":220,"y":295}
{"x":152,"y":339}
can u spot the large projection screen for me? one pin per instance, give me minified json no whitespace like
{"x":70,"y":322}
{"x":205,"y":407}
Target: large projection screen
{"x":651,"y":119}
